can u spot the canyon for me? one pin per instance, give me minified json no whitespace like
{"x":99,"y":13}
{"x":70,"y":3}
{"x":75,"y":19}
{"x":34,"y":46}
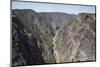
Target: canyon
{"x":52,"y":37}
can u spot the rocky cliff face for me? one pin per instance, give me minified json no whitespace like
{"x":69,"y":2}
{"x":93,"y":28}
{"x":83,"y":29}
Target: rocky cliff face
{"x":76,"y":40}
{"x":32,"y":35}
{"x":42,"y":38}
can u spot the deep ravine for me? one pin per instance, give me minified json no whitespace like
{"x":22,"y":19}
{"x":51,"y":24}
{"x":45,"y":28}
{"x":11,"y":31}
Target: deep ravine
{"x":46,"y":38}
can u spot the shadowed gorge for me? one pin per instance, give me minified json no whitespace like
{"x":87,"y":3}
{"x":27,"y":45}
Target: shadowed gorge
{"x":52,"y":37}
{"x":25,"y":46}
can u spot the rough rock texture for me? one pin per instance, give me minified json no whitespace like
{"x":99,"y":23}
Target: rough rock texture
{"x":42,"y":38}
{"x":32,"y":38}
{"x":58,"y":19}
{"x":76,"y":40}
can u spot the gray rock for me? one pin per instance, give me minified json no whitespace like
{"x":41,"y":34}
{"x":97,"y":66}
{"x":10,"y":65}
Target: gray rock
{"x":76,"y":40}
{"x":53,"y":37}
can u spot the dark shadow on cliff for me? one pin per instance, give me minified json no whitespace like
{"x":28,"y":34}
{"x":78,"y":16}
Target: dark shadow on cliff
{"x":27,"y":46}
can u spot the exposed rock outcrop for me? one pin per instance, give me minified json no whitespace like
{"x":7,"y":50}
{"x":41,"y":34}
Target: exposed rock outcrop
{"x":33,"y":38}
{"x":76,"y":40}
{"x":42,"y":38}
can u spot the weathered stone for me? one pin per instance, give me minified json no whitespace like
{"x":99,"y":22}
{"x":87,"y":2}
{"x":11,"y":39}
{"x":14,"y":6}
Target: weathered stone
{"x":42,"y":38}
{"x":76,"y":40}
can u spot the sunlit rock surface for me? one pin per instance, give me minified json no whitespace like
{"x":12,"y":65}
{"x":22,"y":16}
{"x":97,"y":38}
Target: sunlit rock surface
{"x":53,"y":37}
{"x":76,"y":40}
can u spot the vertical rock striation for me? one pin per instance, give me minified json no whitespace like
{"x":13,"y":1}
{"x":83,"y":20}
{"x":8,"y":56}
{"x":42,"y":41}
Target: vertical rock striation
{"x":32,"y":38}
{"x":43,"y":38}
{"x":76,"y":40}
